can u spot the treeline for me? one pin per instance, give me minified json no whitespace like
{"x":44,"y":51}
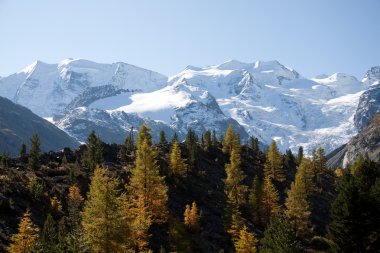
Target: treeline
{"x":270,"y":202}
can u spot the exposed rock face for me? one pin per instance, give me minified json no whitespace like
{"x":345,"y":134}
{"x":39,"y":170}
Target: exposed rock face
{"x":366,"y":142}
{"x":111,"y":127}
{"x":369,"y":105}
{"x":18,"y":124}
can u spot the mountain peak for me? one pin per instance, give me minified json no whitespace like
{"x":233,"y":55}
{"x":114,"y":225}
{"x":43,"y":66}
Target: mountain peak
{"x":231,"y":65}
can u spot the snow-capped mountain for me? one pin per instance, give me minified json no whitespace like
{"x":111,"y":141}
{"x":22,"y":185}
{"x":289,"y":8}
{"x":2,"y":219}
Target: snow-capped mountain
{"x":263,"y":99}
{"x":47,"y":89}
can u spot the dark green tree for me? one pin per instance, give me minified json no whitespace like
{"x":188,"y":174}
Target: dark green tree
{"x":191,"y":145}
{"x":254,"y":144}
{"x":207,"y":139}
{"x":94,"y":153}
{"x":34,"y":154}
{"x":300,"y":155}
{"x":214,"y":140}
{"x":23,"y":150}
{"x":355,"y":212}
{"x":175,"y":137}
{"x":279,"y":236}
{"x":163,"y":138}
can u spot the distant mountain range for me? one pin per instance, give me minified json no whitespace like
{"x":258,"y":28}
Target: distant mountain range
{"x":263,"y":99}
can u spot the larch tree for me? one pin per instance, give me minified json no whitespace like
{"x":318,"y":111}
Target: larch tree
{"x":94,"y":152}
{"x":246,"y":243}
{"x":297,"y":208}
{"x":234,"y":187}
{"x":269,"y":201}
{"x":230,"y":140}
{"x":191,"y":218}
{"x":274,"y":164}
{"x":27,"y":235}
{"x":34,"y":153}
{"x":177,"y":165}
{"x":103,"y":220}
{"x":146,"y":182}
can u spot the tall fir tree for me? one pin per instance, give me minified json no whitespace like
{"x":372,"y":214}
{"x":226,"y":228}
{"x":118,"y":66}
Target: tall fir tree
{"x":34,"y":153}
{"x":146,"y":182}
{"x":319,"y":160}
{"x":94,"y":152}
{"x":177,"y":165}
{"x":26,"y":238}
{"x":49,"y":237}
{"x":274,"y":163}
{"x":103,"y":224}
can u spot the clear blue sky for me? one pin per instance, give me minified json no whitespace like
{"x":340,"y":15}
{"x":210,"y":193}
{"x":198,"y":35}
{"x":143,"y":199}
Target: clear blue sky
{"x":314,"y":37}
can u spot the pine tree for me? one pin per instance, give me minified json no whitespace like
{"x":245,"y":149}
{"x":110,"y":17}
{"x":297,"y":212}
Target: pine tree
{"x":26,"y":237}
{"x":146,"y":181}
{"x":319,"y":160}
{"x":191,"y":145}
{"x":355,"y":211}
{"x":163,"y":138}
{"x":34,"y":154}
{"x":274,"y":164}
{"x":129,"y":142}
{"x":304,"y":176}
{"x":23,"y":150}
{"x":207,"y":137}
{"x":279,"y":236}
{"x":254,"y":144}
{"x":49,"y":237}
{"x":300,"y":155}
{"x":247,"y":242}
{"x":179,"y":239}
{"x":234,"y":188}
{"x":177,"y":164}
{"x":269,"y":201}
{"x":255,"y":196}
{"x":94,"y":152}
{"x":191,"y":218}
{"x":214,"y":140}
{"x":102,"y":218}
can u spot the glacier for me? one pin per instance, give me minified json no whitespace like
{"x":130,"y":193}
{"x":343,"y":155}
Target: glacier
{"x":264,"y":99}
